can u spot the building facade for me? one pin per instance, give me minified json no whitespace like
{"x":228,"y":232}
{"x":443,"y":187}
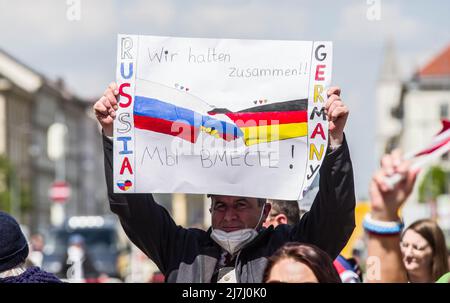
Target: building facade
{"x":410,"y":112}
{"x":29,"y":105}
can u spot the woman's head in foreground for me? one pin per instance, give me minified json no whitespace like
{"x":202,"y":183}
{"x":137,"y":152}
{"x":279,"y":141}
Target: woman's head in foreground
{"x":300,"y":263}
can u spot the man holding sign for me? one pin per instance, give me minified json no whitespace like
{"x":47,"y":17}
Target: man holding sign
{"x":236,"y":247}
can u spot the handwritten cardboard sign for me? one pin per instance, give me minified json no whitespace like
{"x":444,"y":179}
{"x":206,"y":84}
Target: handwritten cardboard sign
{"x":220,"y":116}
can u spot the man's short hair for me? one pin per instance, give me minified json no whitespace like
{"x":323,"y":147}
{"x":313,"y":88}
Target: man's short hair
{"x":261,"y":201}
{"x":289,"y":208}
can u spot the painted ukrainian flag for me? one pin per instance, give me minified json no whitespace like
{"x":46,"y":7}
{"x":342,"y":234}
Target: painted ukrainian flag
{"x":271,"y":122}
{"x":167,"y":118}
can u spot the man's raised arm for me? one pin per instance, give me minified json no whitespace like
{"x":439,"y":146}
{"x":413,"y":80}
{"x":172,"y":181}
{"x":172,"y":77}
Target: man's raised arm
{"x":147,"y":224}
{"x":331,"y":220}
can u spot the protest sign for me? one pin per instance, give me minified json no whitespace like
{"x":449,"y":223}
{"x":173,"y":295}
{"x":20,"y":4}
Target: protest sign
{"x":220,"y":116}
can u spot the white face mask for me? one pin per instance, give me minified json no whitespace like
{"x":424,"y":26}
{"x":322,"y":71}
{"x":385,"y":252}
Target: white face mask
{"x":75,"y":254}
{"x":234,"y":241}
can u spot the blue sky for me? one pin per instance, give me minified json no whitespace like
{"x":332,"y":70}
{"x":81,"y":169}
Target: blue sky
{"x":83,"y":52}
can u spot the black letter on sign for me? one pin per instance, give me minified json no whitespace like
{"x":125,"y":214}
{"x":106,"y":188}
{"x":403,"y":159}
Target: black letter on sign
{"x":312,"y":171}
{"x":323,"y":55}
{"x":321,"y":113}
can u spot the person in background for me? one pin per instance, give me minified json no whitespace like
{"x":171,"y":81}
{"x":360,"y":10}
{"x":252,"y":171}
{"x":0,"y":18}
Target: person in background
{"x":13,"y":254}
{"x":282,"y":212}
{"x":300,"y":263}
{"x":36,"y":249}
{"x":424,"y":251}
{"x":416,"y":255}
{"x":78,"y":265}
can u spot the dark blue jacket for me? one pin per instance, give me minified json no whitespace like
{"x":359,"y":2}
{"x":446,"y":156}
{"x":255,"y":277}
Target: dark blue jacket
{"x":32,"y":275}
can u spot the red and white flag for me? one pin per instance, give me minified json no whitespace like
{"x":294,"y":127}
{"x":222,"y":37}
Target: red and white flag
{"x":439,"y":145}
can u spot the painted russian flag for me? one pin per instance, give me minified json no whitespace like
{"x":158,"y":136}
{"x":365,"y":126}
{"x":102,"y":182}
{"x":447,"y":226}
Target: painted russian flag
{"x":271,"y":122}
{"x":166,"y":118}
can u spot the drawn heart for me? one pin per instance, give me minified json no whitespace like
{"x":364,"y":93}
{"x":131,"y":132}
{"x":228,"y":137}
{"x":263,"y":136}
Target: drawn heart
{"x":260,"y":101}
{"x":255,"y":101}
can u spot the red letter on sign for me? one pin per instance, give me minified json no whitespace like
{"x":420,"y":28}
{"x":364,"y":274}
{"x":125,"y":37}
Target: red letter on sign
{"x":123,"y":94}
{"x":318,"y":130}
{"x":126,"y":165}
{"x":319,"y":72}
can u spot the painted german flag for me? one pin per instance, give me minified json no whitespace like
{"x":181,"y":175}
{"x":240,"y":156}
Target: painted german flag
{"x":270,"y":122}
{"x":264,"y":123}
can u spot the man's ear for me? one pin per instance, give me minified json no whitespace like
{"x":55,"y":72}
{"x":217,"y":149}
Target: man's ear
{"x":281,"y":219}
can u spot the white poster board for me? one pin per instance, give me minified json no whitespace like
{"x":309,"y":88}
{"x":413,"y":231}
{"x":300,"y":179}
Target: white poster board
{"x":220,"y":116}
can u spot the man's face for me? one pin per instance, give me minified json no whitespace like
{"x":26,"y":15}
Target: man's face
{"x":230,"y":213}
